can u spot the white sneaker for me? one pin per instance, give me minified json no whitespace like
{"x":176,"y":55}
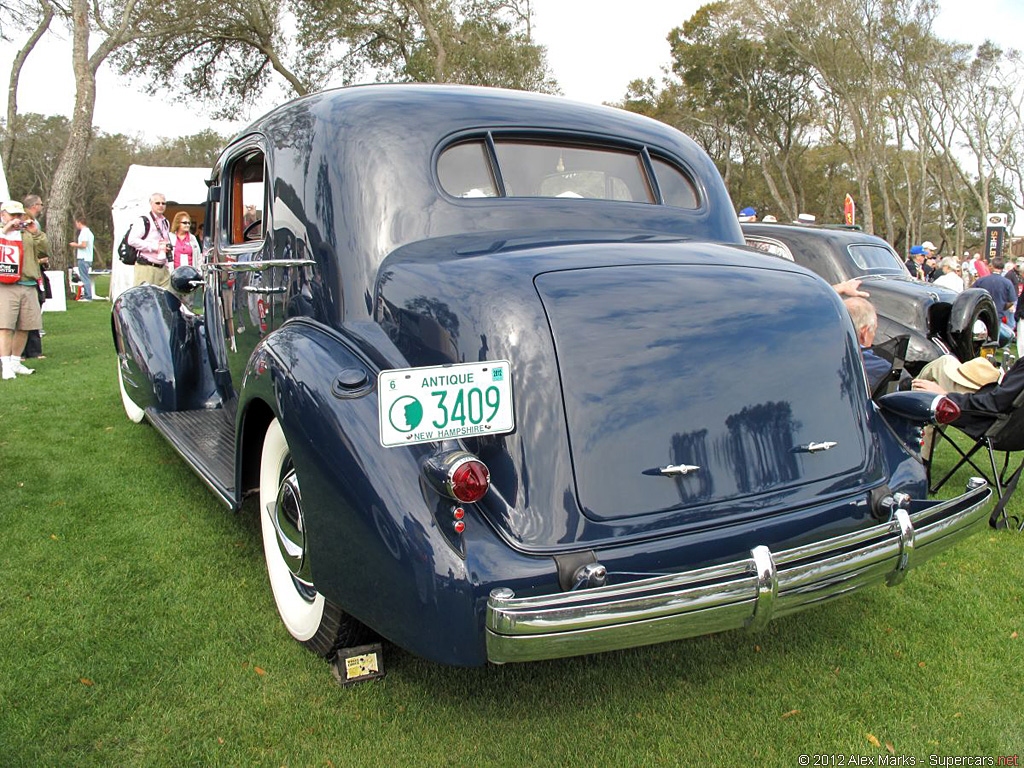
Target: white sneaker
{"x":21,"y":369}
{"x":9,"y":373}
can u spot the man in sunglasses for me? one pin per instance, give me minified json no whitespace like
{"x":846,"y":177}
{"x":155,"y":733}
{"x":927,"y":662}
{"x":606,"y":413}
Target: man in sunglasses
{"x":150,"y":236}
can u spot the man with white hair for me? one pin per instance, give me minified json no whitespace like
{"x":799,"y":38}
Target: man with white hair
{"x":950,"y":277}
{"x":150,"y":236}
{"x":865,"y":322}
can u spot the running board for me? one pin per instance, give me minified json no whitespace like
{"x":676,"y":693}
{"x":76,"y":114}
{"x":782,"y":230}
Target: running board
{"x":205,"y":439}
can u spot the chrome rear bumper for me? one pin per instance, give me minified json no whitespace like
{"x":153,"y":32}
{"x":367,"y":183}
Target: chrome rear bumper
{"x":744,"y":593}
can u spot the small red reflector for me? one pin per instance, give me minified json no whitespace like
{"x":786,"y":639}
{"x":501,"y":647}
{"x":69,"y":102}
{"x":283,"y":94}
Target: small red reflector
{"x":458,"y":513}
{"x":459,"y":526}
{"x":469,"y":481}
{"x":946,"y":411}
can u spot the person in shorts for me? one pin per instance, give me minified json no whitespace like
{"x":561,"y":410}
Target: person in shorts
{"x":19,"y":281}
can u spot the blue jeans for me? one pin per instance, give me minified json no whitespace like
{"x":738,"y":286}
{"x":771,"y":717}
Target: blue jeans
{"x":83,"y":275}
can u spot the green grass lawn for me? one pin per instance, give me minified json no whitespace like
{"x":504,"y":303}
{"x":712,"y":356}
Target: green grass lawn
{"x":137,"y":628}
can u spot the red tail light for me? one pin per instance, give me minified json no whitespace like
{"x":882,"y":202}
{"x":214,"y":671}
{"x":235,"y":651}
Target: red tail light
{"x":469,"y":481}
{"x":945,"y":411}
{"x":458,"y":475}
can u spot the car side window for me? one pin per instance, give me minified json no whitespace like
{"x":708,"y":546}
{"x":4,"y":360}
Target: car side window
{"x":246,"y":199}
{"x":465,"y":171}
{"x":676,"y":189}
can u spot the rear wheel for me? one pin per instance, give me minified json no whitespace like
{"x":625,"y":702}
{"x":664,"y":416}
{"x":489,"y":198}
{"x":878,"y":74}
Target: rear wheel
{"x":307,"y":615}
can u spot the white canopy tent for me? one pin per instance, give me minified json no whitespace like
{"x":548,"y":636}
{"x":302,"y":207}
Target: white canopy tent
{"x":4,"y":192}
{"x":184,"y":188}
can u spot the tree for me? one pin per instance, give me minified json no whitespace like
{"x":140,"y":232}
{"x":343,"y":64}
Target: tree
{"x":225,"y":53}
{"x":41,"y":139}
{"x":118,"y":21}
{"x":479,"y":42}
{"x":232,"y":48}
{"x":728,"y":66}
{"x":104,"y":169}
{"x":45,"y":16}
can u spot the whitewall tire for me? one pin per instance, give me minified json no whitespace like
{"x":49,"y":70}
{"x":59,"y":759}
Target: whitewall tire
{"x":310,"y":618}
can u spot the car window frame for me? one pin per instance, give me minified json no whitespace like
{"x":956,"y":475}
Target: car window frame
{"x":237,"y":153}
{"x":581,"y":139}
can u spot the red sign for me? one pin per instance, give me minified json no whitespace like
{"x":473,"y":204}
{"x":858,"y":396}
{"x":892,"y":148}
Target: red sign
{"x":850,"y":211}
{"x":11,"y":258}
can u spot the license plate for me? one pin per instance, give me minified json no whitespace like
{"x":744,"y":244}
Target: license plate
{"x":444,"y":402}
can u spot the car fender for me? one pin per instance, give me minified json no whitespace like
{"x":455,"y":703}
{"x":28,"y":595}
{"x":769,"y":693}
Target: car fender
{"x":162,"y":351}
{"x":376,"y":544}
{"x":972,"y":304}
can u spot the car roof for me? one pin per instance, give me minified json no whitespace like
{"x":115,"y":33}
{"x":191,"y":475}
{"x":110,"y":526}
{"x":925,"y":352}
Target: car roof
{"x":812,"y":232}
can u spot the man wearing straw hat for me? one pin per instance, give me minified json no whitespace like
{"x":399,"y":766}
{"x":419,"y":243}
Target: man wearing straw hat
{"x":953,"y":376}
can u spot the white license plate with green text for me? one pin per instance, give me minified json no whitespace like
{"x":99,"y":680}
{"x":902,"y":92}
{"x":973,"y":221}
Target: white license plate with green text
{"x":444,"y":402}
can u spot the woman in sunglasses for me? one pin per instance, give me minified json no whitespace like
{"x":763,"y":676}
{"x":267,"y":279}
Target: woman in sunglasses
{"x":185,"y":245}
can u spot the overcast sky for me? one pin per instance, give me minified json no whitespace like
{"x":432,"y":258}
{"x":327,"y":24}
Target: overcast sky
{"x":595,"y":47}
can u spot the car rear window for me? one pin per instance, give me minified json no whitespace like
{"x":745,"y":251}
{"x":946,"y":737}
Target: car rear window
{"x":548,"y":170}
{"x":530,"y":168}
{"x":876,"y":260}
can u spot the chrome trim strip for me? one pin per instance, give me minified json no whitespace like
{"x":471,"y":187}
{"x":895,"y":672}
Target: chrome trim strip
{"x":767,"y":587}
{"x":258,"y":265}
{"x":747,"y":592}
{"x":906,"y":534}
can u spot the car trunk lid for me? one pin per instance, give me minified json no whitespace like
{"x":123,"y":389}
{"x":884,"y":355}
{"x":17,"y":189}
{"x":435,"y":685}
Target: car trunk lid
{"x":689,"y":385}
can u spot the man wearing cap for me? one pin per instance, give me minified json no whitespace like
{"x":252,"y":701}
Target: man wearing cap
{"x":748,"y":214}
{"x":915,"y":263}
{"x":150,"y":238}
{"x":19,"y":278}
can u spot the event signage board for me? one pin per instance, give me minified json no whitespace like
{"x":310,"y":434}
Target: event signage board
{"x":995,"y":235}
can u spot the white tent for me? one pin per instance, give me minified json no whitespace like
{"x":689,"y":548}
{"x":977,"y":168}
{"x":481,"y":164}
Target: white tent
{"x":184,"y":188}
{"x":3,"y":185}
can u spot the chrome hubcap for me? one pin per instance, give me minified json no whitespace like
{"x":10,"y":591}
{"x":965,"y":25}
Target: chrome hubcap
{"x":288,"y":525}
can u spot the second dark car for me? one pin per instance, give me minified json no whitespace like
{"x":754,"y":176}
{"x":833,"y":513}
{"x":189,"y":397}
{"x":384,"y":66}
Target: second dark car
{"x":939,"y":321}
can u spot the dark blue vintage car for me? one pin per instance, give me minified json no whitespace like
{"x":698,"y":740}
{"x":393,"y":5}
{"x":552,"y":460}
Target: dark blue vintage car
{"x":503,"y":387}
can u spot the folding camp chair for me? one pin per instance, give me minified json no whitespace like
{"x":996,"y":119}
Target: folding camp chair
{"x":1006,"y":434}
{"x":895,"y":351}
